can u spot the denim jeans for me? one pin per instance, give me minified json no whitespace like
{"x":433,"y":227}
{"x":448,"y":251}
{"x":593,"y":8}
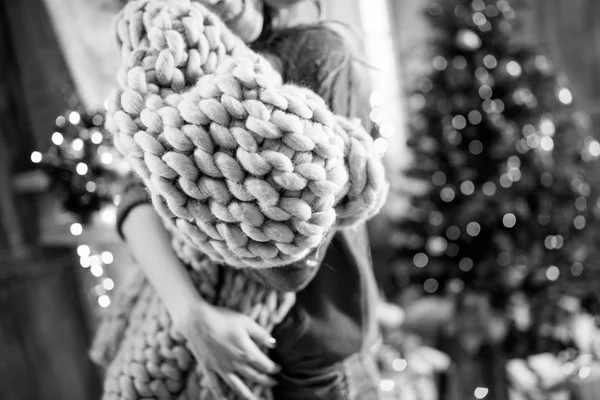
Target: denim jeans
{"x":355,"y":378}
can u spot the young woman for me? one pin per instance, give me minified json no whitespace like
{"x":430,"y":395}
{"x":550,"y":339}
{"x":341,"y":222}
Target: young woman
{"x":324,"y":347}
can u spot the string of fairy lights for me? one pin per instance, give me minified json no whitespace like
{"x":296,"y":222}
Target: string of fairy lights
{"x":85,"y":174}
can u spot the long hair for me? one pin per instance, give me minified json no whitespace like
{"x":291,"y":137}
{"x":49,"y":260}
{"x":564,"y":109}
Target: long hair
{"x":318,"y":57}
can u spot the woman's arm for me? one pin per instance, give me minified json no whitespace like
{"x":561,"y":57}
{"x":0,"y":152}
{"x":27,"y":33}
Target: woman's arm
{"x":223,"y":341}
{"x":150,"y":245}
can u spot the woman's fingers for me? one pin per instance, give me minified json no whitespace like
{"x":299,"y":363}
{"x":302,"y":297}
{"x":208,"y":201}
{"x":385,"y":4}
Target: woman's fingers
{"x":214,"y":385}
{"x":260,"y":334}
{"x":258,"y":359}
{"x":255,"y":376}
{"x":239,"y":387}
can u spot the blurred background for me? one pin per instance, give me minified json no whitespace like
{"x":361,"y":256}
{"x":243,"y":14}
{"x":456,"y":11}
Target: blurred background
{"x":485,"y":112}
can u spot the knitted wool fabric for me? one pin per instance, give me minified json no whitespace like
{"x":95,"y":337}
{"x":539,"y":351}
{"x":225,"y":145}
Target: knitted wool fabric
{"x":249,"y":171}
{"x":242,"y":169}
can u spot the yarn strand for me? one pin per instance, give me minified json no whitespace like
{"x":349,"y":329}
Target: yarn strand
{"x":245,"y":171}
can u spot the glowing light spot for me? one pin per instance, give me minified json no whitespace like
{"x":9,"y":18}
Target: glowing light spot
{"x":481,"y":393}
{"x":594,"y":148}
{"x":490,"y":61}
{"x":485,"y":92}
{"x":81,"y":169}
{"x":467,"y":188}
{"x":431,"y":285}
{"x":109,"y":215}
{"x":514,"y":174}
{"x":513,"y":68}
{"x":473,"y":229}
{"x":97,"y":120}
{"x":439,"y":178}
{"x":547,"y":127}
{"x":106,"y":158}
{"x":565,"y":96}
{"x":459,"y":62}
{"x":505,"y":181}
{"x":74,"y":117}
{"x":447,"y":194}
{"x":90,"y":187}
{"x":77,"y":144}
{"x":552,"y":273}
{"x":489,"y":188}
{"x":468,"y":39}
{"x":96,"y":270}
{"x":579,"y":222}
{"x":459,"y":122}
{"x":439,"y":63}
{"x":513,"y":162}
{"x":550,"y":242}
{"x":509,"y":220}
{"x":36,"y":157}
{"x":420,"y":260}
{"x":546,"y":143}
{"x":57,"y":138}
{"x":453,"y":232}
{"x":83,"y":250}
{"x":399,"y":364}
{"x":76,"y":229}
{"x":436,"y":218}
{"x":97,"y":137}
{"x":581,"y":203}
{"x":437,"y":245}
{"x":577,"y":269}
{"x":107,"y":257}
{"x":454,"y":138}
{"x":476,"y":147}
{"x":479,"y":19}
{"x":108,"y":284}
{"x":465,"y":264}
{"x":85,"y":262}
{"x":104,"y":301}
{"x":387,"y":385}
{"x":475,"y":117}
{"x":377,"y":115}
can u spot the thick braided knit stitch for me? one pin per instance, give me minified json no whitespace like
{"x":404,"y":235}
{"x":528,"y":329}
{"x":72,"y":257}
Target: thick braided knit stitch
{"x":242,"y":169}
{"x":248,"y":170}
{"x":153,"y":360}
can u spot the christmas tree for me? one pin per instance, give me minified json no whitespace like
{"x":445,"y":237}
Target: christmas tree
{"x":506,"y":158}
{"x":80,"y":163}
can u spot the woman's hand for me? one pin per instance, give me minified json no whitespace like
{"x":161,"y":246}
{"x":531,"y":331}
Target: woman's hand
{"x":223,"y":341}
{"x":226,"y":343}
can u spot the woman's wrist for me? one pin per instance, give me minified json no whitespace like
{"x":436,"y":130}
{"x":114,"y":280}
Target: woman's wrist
{"x":182,"y":307}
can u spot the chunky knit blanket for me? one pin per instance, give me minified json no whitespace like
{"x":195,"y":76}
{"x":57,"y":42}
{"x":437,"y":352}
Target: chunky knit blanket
{"x":245,"y":171}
